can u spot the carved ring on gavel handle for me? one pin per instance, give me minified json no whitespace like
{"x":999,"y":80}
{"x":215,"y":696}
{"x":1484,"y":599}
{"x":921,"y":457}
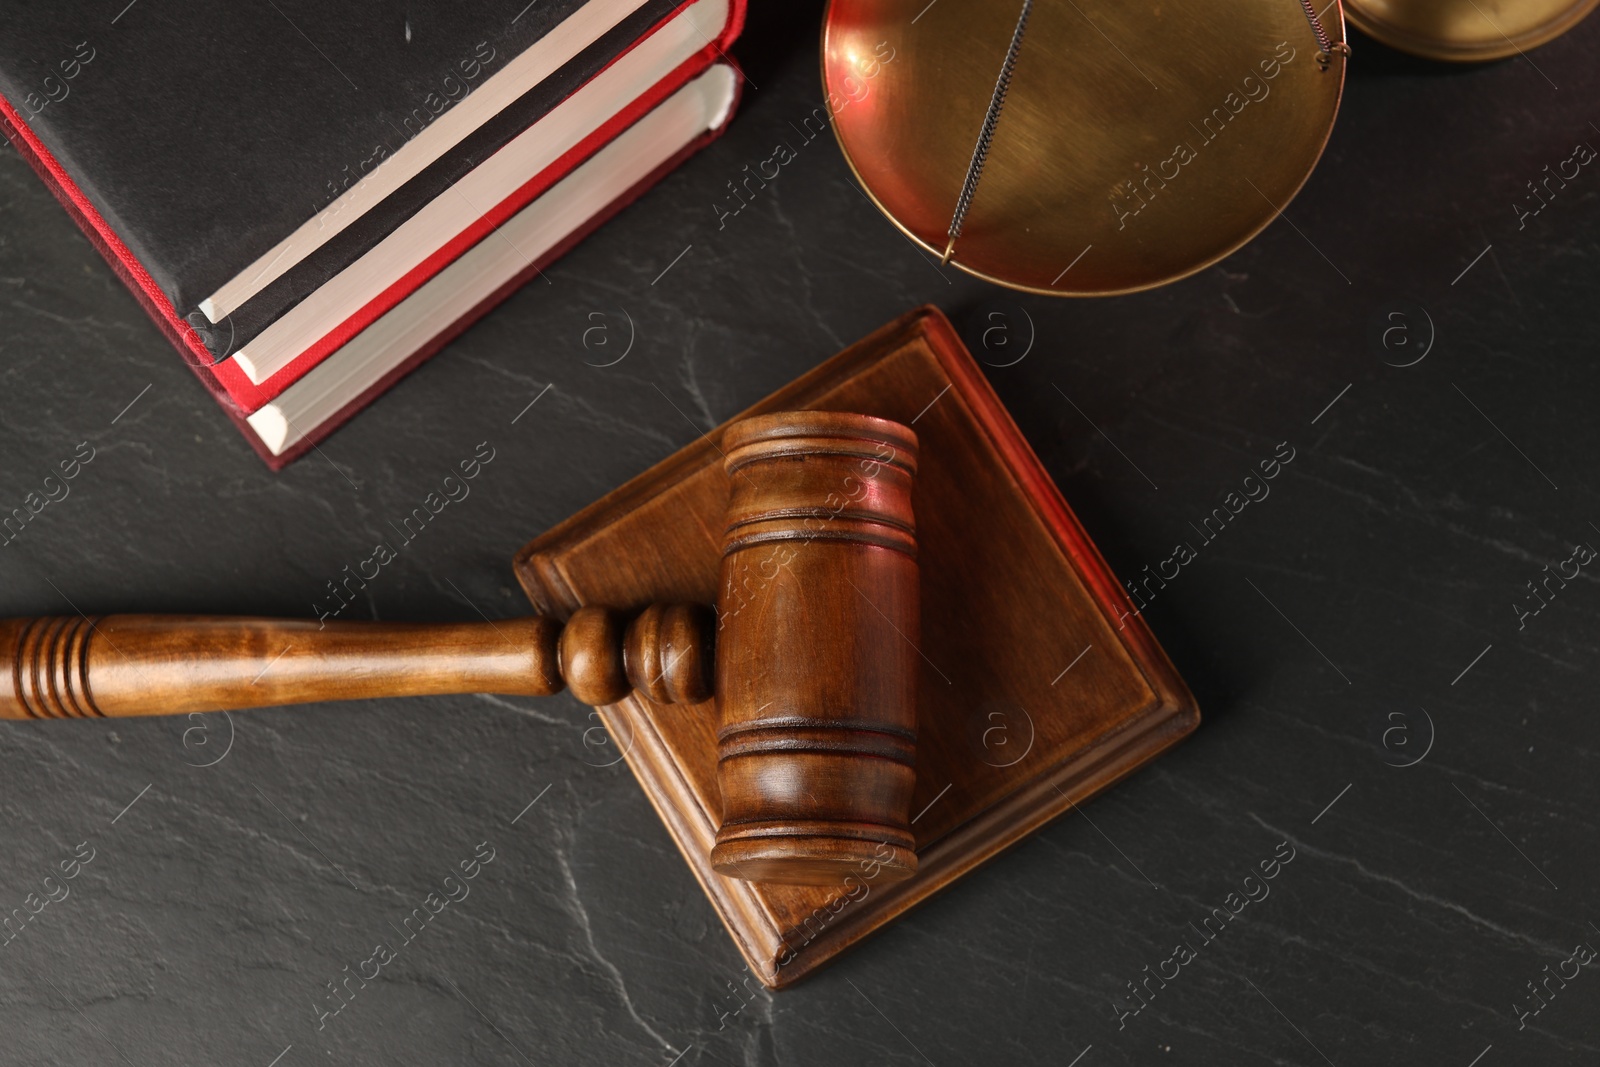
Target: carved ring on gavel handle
{"x":810,"y":655}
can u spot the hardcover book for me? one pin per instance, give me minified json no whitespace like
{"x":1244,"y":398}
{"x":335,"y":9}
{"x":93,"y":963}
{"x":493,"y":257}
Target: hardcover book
{"x":239,"y":177}
{"x":276,"y":198}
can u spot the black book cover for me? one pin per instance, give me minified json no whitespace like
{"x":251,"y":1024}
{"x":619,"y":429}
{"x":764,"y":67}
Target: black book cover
{"x":206,"y":133}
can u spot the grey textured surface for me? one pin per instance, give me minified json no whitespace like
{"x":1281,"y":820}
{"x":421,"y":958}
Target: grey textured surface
{"x":1371,"y":593}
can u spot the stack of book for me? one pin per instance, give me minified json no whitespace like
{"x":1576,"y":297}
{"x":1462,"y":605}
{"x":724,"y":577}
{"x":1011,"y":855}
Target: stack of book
{"x":309,"y":201}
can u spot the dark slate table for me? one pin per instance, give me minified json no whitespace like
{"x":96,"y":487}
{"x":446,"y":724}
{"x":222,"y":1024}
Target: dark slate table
{"x":1379,"y":692}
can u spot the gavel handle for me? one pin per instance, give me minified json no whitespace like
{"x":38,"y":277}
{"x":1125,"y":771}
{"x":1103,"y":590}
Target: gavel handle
{"x":123,"y":665}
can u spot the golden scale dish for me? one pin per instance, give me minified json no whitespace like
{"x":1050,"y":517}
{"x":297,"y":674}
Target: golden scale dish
{"x":1120,"y":145}
{"x":1098,"y":147}
{"x":1466,"y":31}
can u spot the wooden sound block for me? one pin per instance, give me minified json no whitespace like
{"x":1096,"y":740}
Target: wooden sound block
{"x":1039,"y":686}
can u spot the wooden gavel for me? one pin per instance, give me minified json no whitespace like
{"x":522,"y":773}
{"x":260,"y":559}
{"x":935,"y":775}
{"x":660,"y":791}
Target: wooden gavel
{"x":810,"y":654}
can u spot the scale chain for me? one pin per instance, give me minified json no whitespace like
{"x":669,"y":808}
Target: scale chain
{"x":1325,"y":45}
{"x":980,"y":152}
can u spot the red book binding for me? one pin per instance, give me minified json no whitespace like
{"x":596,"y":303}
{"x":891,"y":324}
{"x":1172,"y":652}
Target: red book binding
{"x":472,"y":315}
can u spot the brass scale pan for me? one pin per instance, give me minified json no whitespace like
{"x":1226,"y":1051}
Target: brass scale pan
{"x":1133,"y":142}
{"x":1466,"y":30}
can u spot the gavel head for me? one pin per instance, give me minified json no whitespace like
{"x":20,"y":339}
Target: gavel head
{"x":816,"y":654}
